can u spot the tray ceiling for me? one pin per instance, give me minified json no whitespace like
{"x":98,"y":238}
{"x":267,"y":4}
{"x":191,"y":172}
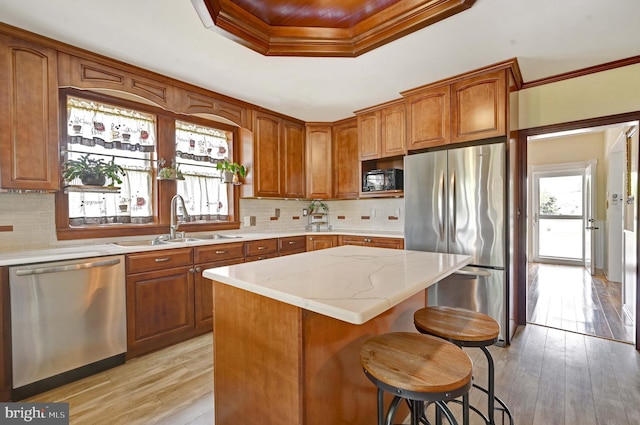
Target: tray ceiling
{"x":343,"y":28}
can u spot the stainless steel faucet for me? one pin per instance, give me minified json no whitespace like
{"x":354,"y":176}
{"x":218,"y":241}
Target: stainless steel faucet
{"x":173,"y":229}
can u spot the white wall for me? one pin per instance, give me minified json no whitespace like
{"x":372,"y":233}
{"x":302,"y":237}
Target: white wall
{"x":605,"y":93}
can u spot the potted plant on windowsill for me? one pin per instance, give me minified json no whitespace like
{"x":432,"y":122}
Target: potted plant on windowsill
{"x":92,"y":171}
{"x":231,"y":171}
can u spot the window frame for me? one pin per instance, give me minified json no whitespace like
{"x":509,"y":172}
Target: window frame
{"x":163,"y":190}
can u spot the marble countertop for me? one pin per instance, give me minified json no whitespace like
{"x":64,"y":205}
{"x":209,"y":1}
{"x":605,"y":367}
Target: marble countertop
{"x":99,"y":248}
{"x":350,"y":283}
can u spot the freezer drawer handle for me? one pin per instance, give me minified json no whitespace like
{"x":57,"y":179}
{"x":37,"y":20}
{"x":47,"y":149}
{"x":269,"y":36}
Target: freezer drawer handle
{"x":472,"y":272}
{"x":68,"y":267}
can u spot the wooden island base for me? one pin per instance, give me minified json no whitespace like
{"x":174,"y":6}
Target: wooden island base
{"x":277,"y":364}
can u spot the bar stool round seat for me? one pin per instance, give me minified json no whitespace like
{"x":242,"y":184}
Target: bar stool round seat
{"x":466,"y":328}
{"x":417,"y":368}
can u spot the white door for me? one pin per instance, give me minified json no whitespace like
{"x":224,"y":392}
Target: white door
{"x":590,"y":219}
{"x":558,"y":215}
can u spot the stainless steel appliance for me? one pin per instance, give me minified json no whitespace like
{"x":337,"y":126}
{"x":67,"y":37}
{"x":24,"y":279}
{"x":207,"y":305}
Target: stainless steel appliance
{"x":68,"y":320}
{"x":455,"y":202}
{"x":389,"y":179}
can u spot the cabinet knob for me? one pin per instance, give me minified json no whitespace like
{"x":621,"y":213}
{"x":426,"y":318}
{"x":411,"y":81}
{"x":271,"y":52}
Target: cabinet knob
{"x":198,"y":269}
{"x":310,"y":239}
{"x":192,"y":270}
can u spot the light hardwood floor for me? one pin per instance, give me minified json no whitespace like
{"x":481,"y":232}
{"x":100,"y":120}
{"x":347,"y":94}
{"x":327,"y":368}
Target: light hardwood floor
{"x":546,"y":376}
{"x":569,"y":298}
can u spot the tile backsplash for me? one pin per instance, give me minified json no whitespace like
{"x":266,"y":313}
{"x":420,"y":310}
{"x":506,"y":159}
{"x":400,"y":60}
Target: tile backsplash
{"x":32,"y":216}
{"x":384,"y":214}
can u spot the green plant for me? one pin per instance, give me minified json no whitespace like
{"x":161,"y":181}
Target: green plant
{"x":317,"y":206}
{"x":171,"y":172}
{"x":93,"y":171}
{"x":232,"y":167}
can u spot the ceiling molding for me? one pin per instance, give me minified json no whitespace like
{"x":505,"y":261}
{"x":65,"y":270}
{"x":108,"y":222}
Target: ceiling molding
{"x":582,"y":72}
{"x":371,"y":31}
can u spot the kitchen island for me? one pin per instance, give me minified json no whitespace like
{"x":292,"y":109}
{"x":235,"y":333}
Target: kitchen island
{"x":287,"y":331}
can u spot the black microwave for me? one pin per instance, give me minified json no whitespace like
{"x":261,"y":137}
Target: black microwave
{"x":376,"y":180}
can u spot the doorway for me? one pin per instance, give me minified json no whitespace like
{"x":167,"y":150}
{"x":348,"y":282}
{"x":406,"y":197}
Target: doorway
{"x":566,"y":226}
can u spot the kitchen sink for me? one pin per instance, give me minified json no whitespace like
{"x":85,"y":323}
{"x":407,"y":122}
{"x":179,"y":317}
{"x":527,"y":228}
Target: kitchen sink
{"x":216,"y":236}
{"x":150,"y":242}
{"x":181,"y":240}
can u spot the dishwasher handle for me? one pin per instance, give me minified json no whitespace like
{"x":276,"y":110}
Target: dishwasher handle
{"x":67,"y":268}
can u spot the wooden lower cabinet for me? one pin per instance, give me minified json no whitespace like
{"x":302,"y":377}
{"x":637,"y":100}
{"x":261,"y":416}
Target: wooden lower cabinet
{"x":160,"y":309}
{"x":316,"y":242}
{"x":291,"y":245}
{"x":378,"y":242}
{"x":5,"y":340}
{"x":203,"y":293}
{"x":261,"y":250}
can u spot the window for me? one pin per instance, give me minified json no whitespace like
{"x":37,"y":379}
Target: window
{"x":198,"y":150}
{"x":138,"y":138}
{"x":127,"y":138}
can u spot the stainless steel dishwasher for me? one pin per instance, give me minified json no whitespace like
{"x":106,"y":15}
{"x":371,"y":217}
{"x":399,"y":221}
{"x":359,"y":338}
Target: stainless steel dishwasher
{"x":68,"y":320}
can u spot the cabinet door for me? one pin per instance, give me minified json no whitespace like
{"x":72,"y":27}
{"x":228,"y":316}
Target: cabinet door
{"x":346,"y":163}
{"x":294,"y":159}
{"x":479,"y":107}
{"x":428,"y":118}
{"x":203,"y":292}
{"x":268,"y":152}
{"x":319,"y":162}
{"x":321,"y":242}
{"x":393,"y":129}
{"x":28,"y":116}
{"x":369,"y":135}
{"x":159,"y":309}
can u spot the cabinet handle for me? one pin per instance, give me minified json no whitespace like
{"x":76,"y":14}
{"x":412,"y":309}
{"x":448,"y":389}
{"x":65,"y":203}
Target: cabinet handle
{"x":260,"y":248}
{"x":162,"y":260}
{"x":292,"y":243}
{"x":221,"y":252}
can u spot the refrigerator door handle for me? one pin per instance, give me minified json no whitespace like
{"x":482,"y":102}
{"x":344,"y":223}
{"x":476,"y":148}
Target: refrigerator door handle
{"x":441,"y":207}
{"x":469,"y":271}
{"x":452,"y":208}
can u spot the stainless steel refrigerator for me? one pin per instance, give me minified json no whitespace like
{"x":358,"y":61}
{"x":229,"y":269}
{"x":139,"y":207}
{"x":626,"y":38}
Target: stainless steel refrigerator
{"x":455,"y":202}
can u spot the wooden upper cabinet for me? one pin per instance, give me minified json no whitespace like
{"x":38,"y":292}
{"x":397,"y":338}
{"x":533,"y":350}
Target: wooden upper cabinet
{"x":382,"y":131}
{"x":294,"y":159}
{"x":478,"y":106}
{"x":346,"y":165}
{"x":393,"y":130}
{"x":28,"y":116}
{"x":279,"y":157}
{"x":319,"y":161}
{"x":268,"y":152}
{"x":428,"y":119}
{"x":198,"y":103}
{"x":87,"y":74}
{"x":369,"y":135}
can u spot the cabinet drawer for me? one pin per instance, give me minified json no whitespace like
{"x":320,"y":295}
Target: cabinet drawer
{"x":260,"y":257}
{"x":262,"y":248}
{"x":219,"y":252}
{"x":292,"y":243}
{"x":158,"y":260}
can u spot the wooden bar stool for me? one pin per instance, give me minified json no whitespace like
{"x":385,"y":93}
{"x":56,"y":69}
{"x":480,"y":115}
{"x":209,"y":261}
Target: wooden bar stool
{"x":417,"y":368}
{"x":466,"y":328}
